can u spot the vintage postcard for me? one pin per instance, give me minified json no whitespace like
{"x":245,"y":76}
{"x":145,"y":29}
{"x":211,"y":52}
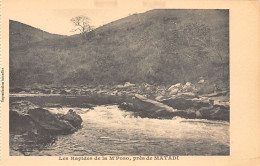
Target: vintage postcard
{"x":118,"y":82}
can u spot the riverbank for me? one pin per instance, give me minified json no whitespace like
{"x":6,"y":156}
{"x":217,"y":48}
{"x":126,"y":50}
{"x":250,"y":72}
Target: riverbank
{"x":200,"y":100}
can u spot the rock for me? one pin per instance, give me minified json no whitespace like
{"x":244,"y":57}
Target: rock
{"x":222,"y":107}
{"x":221,"y":114}
{"x":153,"y":109}
{"x":159,"y":98}
{"x":198,"y":103}
{"x":201,"y":109}
{"x":73,"y":118}
{"x":188,"y":87}
{"x":201,"y":81}
{"x":146,"y":85}
{"x":75,"y":91}
{"x":198,"y":114}
{"x":211,"y":101}
{"x":128,"y":84}
{"x":126,"y":106}
{"x":188,"y":84}
{"x":222,"y":104}
{"x":182,"y":103}
{"x":43,"y":122}
{"x":213,"y":113}
{"x":49,"y":123}
{"x":46,"y":91}
{"x":113,"y":93}
{"x":173,"y":91}
{"x":176,"y":86}
{"x":179,"y":103}
{"x":65,"y":92}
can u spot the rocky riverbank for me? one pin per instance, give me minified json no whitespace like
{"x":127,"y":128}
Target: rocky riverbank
{"x":199,"y":100}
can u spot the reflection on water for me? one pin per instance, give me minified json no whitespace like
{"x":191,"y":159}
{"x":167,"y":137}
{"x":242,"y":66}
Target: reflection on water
{"x":107,"y":130}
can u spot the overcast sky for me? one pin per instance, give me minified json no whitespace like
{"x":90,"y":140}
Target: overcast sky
{"x":54,"y":15}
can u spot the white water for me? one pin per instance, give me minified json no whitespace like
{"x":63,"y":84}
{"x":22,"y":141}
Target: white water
{"x":107,"y":130}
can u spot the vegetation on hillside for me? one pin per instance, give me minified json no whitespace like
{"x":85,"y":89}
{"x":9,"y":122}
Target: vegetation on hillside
{"x":156,"y":47}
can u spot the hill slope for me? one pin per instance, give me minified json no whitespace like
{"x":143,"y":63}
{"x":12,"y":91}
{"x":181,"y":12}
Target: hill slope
{"x":22,"y":34}
{"x":158,"y":47}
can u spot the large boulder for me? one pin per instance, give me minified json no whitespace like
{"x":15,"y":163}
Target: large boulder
{"x":153,"y":109}
{"x":183,"y":103}
{"x":41,"y":121}
{"x":213,"y":113}
{"x":49,"y":123}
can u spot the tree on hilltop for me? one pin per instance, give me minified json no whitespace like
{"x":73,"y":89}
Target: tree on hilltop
{"x":82,"y":24}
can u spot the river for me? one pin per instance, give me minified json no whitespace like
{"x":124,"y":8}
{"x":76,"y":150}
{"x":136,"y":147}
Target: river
{"x":109,"y":130}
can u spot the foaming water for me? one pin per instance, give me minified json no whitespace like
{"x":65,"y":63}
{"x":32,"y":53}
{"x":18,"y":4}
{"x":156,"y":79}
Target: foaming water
{"x":107,"y":130}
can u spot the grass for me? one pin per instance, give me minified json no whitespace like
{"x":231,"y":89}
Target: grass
{"x":157,"y":47}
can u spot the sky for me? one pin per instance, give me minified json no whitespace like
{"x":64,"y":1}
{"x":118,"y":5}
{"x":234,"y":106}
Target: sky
{"x":54,"y":16}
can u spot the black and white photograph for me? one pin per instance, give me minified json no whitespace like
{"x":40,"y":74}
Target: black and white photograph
{"x":119,"y":82}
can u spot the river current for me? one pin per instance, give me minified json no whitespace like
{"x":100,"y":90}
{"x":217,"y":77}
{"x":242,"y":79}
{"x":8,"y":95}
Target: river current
{"x":109,"y":130}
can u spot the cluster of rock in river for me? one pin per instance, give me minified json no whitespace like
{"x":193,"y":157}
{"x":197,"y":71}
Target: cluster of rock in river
{"x":183,"y":101}
{"x":146,"y":100}
{"x":185,"y":108}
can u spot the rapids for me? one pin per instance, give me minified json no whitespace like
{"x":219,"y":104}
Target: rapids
{"x":107,"y":130}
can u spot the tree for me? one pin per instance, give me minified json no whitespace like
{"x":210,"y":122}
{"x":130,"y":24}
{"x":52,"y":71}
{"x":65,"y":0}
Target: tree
{"x":82,"y":24}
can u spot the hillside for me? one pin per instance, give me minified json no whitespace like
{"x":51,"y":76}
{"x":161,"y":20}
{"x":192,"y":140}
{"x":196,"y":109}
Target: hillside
{"x":22,"y":34}
{"x":156,"y":47}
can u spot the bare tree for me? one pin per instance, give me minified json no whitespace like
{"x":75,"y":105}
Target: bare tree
{"x":82,"y":24}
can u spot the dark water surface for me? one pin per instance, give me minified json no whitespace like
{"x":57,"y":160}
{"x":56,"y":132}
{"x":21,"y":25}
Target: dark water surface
{"x":108,"y":130}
